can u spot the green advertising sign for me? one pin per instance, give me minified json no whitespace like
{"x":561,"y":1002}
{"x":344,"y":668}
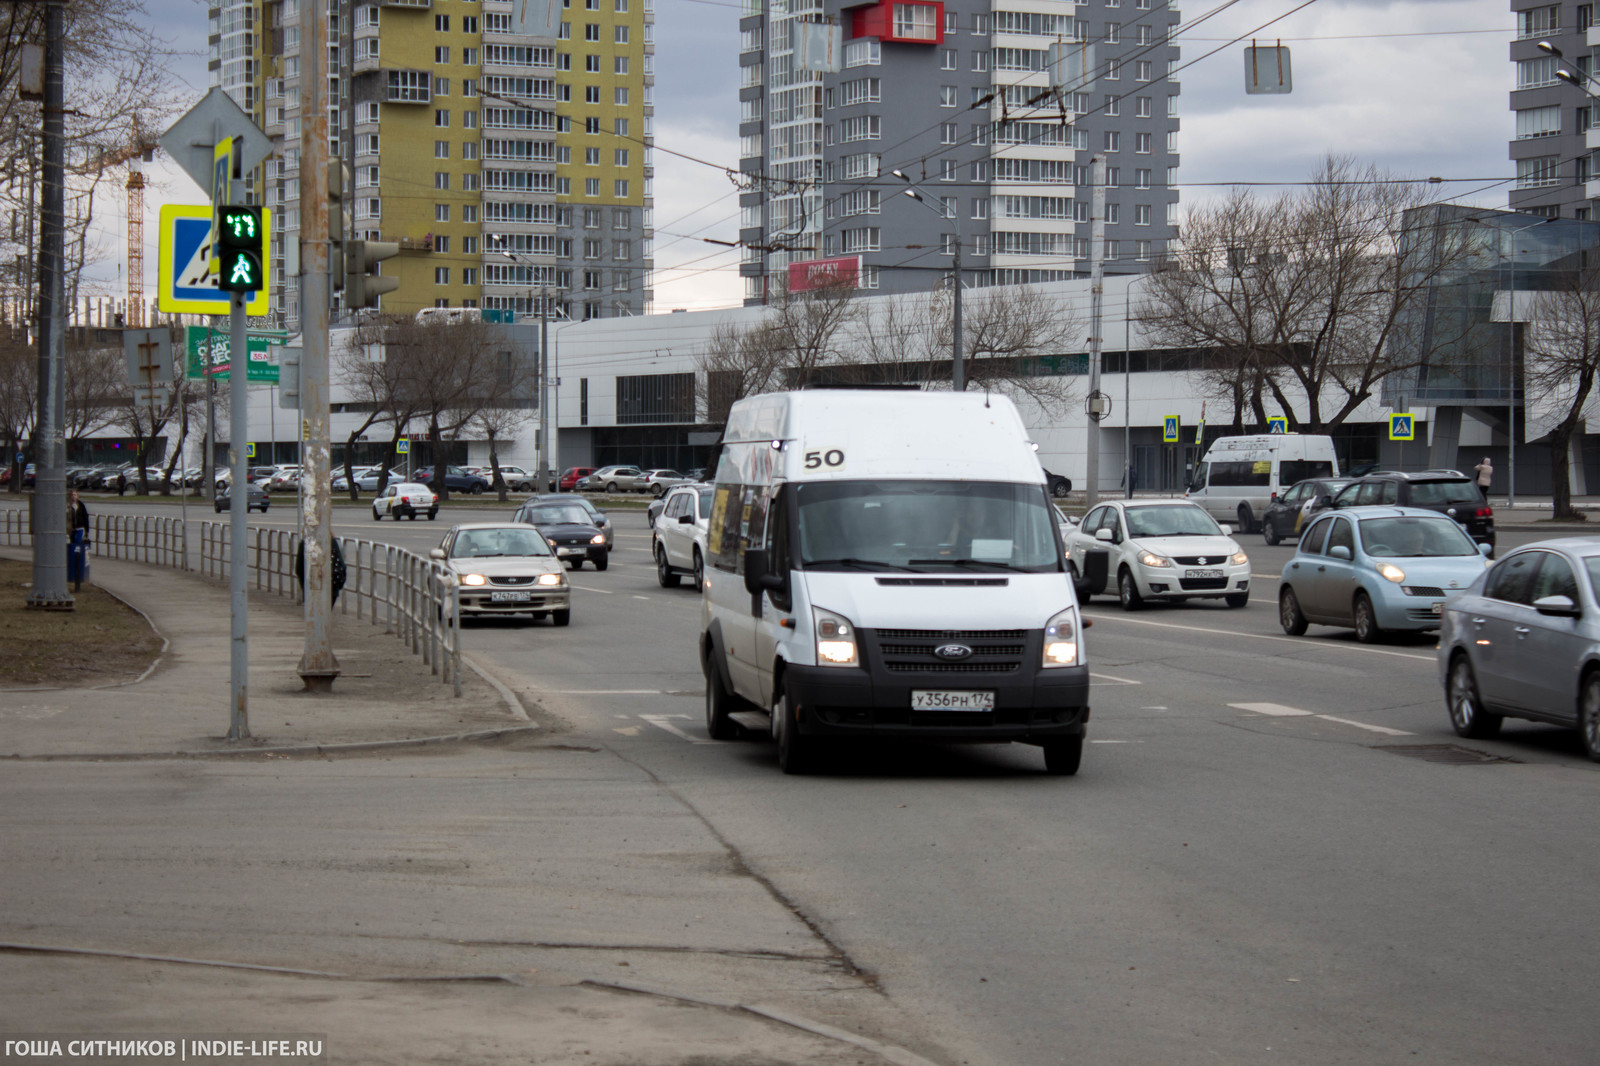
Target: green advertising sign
{"x":209,"y":355}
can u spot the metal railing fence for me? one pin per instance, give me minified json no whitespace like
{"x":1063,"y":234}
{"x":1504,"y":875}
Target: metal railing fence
{"x":413,"y":597}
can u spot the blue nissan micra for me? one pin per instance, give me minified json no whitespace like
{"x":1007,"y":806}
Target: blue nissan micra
{"x":1375,"y":569}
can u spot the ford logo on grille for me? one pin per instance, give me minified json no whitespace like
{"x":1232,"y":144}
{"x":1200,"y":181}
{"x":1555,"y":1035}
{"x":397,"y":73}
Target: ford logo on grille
{"x":952,"y":651}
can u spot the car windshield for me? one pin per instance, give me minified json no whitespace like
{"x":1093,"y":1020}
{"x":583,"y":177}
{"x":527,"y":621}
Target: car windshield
{"x":481,"y":543}
{"x":556,"y":513}
{"x":925,"y":526}
{"x":1414,"y":538}
{"x":1424,"y":493}
{"x":1170,"y":520}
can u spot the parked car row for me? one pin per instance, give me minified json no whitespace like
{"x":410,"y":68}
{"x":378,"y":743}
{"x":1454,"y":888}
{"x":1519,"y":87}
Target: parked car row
{"x":656,"y":481}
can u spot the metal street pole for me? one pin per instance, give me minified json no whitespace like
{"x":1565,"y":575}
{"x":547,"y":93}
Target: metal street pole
{"x":238,"y":516}
{"x":958,"y":369}
{"x":1127,"y":376}
{"x":49,"y":588}
{"x":318,"y":666}
{"x":1097,"y":229}
{"x":544,"y":387}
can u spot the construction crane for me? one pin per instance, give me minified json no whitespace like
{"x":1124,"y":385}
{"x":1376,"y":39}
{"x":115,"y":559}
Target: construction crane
{"x":139,"y":151}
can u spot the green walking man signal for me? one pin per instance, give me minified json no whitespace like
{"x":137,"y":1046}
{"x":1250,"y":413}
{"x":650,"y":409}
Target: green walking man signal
{"x":240,"y":248}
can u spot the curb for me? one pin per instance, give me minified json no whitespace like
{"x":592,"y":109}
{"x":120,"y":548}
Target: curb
{"x":476,"y":736}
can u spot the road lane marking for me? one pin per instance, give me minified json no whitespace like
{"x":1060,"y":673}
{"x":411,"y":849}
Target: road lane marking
{"x":1267,"y":577}
{"x":1114,"y":680}
{"x":626,"y":730}
{"x":660,"y":721}
{"x":606,"y":692}
{"x":1278,"y":710}
{"x":1301,"y":641}
{"x":603,"y":592}
{"x":638,"y":597}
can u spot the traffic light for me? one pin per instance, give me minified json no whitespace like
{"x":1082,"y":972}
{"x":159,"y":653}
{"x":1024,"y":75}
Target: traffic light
{"x":362,"y":282}
{"x":239,"y":248}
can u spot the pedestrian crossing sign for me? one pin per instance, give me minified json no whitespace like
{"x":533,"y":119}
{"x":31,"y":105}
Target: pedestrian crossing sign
{"x":1402,"y":427}
{"x":250,"y":450}
{"x":1169,"y":432}
{"x":1277,"y":424}
{"x":403,"y":446}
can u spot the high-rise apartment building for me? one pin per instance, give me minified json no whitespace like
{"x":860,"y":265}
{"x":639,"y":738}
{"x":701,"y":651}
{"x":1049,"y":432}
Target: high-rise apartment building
{"x":1551,"y":149}
{"x":956,"y":96}
{"x":506,"y":150}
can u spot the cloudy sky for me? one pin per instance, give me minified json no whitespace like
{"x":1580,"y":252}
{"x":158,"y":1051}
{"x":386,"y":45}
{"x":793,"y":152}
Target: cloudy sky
{"x":1418,"y":87}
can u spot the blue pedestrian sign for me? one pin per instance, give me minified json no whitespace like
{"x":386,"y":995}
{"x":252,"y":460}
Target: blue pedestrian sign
{"x":403,"y":446}
{"x":185,"y":282}
{"x":1277,"y":424}
{"x":1402,"y":427}
{"x":1169,"y":432}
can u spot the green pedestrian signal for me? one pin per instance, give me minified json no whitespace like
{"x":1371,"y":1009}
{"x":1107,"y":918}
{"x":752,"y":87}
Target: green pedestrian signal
{"x":239,"y":248}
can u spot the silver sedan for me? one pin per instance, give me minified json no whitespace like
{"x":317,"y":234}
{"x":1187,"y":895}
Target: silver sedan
{"x":1524,"y":642}
{"x":506,"y":569}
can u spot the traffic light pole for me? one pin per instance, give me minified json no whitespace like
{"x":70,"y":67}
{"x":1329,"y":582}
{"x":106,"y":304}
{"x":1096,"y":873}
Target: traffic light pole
{"x":318,"y":666}
{"x":238,"y":517}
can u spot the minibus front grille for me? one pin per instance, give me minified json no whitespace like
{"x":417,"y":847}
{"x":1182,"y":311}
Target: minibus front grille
{"x":993,"y":651}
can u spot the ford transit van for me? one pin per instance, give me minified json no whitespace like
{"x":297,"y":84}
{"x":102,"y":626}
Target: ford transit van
{"x":1240,"y":475}
{"x":886,"y":564}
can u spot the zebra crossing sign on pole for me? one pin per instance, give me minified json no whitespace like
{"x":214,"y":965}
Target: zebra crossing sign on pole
{"x":1402,"y":427}
{"x":1169,"y":431}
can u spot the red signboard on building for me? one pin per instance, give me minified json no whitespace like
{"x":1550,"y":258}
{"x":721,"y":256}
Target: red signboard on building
{"x":816,"y":273}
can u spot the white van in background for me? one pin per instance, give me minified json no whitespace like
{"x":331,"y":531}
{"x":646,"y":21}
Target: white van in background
{"x":886,"y":564}
{"x":1240,"y":475}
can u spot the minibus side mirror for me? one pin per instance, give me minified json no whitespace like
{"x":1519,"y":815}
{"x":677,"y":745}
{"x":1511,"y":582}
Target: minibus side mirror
{"x":757,"y":572}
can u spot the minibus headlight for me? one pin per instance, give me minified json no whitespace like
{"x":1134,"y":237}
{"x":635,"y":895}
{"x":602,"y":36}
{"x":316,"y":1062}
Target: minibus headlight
{"x":1061,"y":640}
{"x":836,"y":639}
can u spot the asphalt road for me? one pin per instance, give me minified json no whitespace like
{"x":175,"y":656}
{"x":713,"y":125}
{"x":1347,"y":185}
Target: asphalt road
{"x":1263,"y":859}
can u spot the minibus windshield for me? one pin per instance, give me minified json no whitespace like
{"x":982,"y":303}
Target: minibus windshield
{"x":925,"y":526}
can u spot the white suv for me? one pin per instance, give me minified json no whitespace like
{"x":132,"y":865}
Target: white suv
{"x":679,"y":540}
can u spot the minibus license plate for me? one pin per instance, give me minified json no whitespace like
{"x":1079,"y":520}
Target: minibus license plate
{"x":952,"y":701}
{"x":1205,"y":573}
{"x":519,"y":596}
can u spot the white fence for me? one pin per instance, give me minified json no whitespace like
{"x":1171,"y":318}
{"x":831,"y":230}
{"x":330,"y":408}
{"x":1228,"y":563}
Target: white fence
{"x":413,"y":597}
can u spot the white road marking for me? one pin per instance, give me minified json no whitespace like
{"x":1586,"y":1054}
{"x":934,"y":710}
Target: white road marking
{"x":660,"y":721}
{"x":1111,"y":742}
{"x":626,"y":730}
{"x":603,"y":592}
{"x":1385,"y":730}
{"x":1277,"y":710}
{"x":1301,"y":641}
{"x":607,"y":692}
{"x":637,"y":597}
{"x":1267,"y":577}
{"x":1114,"y":680}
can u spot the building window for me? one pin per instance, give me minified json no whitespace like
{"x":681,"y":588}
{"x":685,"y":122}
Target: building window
{"x":619,"y":188}
{"x":947,"y":96}
{"x":441,"y":149}
{"x":1537,"y":173}
{"x":980,"y":61}
{"x":591,"y":94}
{"x":1539,"y":22}
{"x":1141,"y":214}
{"x":591,"y":64}
{"x":441,"y":180}
{"x":947,"y":170}
{"x":591,"y":186}
{"x":948,"y":59}
{"x":441,"y":275}
{"x":591,"y":31}
{"x":915,"y":22}
{"x":591,"y":157}
{"x":1113,"y":32}
{"x":441,"y":55}
{"x":1113,"y":214}
{"x":441,"y":244}
{"x":980,"y":25}
{"x":441,"y":24}
{"x":1539,"y":122}
{"x":1585,"y":17}
{"x":469,"y":24}
{"x":1141,"y":179}
{"x":1113,"y":106}
{"x":1142,"y":70}
{"x":1113,"y":69}
{"x":441,"y":212}
{"x":1113,"y":249}
{"x":948,"y":133}
{"x":619,"y":157}
{"x":1141,"y":107}
{"x":861,"y":52}
{"x":1536,"y":73}
{"x":441,"y":118}
{"x":1113,"y":141}
{"x":1141,"y":143}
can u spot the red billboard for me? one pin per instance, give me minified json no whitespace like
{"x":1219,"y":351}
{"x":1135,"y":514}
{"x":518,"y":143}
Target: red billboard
{"x":816,"y":273}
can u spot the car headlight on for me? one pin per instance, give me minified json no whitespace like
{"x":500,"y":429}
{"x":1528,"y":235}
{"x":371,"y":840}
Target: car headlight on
{"x":1392,"y":572}
{"x":474,"y":579}
{"x":552,"y":579}
{"x":1241,"y":559}
{"x":598,"y":538}
{"x":1061,"y":640}
{"x":1152,"y":559}
{"x":836,"y":639}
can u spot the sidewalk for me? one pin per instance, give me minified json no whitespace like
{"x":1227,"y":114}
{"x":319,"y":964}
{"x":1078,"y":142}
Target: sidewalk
{"x":383,"y":694}
{"x":772,"y":993}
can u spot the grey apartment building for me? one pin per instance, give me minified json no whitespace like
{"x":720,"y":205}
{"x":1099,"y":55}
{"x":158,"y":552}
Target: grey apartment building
{"x":955,"y":95}
{"x":1551,"y":148}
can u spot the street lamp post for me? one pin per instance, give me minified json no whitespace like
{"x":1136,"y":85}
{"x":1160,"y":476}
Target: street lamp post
{"x":958,"y":370}
{"x":545,"y":390}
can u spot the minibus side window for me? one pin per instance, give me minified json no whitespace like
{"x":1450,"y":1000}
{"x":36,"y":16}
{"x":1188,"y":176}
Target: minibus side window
{"x":722,"y":532}
{"x":778,"y":555}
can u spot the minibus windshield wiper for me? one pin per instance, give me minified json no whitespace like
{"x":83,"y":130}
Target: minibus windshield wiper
{"x":973,"y":562}
{"x":860,"y":564}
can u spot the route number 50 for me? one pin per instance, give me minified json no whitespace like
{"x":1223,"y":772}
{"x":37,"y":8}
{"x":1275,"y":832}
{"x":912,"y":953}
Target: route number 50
{"x":833,"y":459}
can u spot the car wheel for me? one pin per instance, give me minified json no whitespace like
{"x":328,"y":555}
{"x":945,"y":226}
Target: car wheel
{"x":796,"y":754}
{"x":1246,"y":518}
{"x":1289,"y":616}
{"x":699,"y":571}
{"x":719,"y":704}
{"x":477,"y":489}
{"x":375,"y":515}
{"x":1269,"y":532}
{"x":1077,"y":586}
{"x":1128,"y":591}
{"x":1060,"y":487}
{"x":664,"y":574}
{"x":658,"y":491}
{"x":1237,"y":599}
{"x":1062,"y":757}
{"x":601,"y":561}
{"x":577,"y":564}
{"x":612,"y":487}
{"x":562,"y":618}
{"x":1467,"y":714}
{"x":1367,"y":629}
{"x":433,"y":512}
{"x":219,"y":508}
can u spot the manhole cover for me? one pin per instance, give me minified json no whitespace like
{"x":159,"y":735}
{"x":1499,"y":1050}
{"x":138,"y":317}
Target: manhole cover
{"x":1448,"y":754}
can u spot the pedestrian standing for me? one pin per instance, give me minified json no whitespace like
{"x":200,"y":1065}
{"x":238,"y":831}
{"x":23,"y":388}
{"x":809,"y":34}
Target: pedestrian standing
{"x":1485,"y":471}
{"x":77,"y":542}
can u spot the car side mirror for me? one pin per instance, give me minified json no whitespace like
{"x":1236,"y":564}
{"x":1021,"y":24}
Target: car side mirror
{"x":1105,"y":535}
{"x":1557,"y":606}
{"x":1227,"y":530}
{"x":436,"y":553}
{"x":685,"y":519}
{"x":1485,"y":550}
{"x":1339,"y":551}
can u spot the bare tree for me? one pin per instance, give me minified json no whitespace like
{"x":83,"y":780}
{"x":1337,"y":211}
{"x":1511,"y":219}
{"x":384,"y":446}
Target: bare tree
{"x":95,"y":383}
{"x":499,"y":423}
{"x":1306,"y":299}
{"x":371,"y":383}
{"x":19,"y":398}
{"x":1562,"y":358}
